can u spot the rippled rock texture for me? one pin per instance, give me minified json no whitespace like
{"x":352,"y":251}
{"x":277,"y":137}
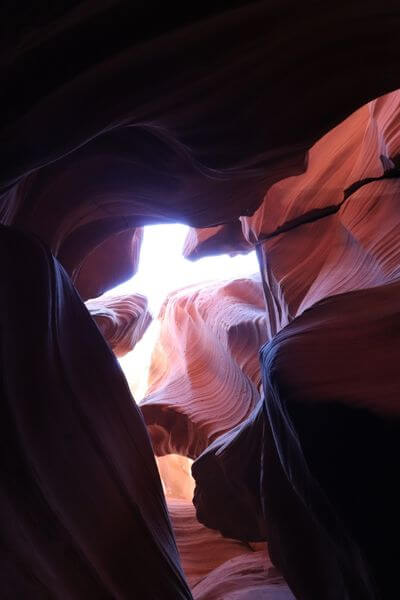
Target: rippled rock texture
{"x":201,"y":549}
{"x":247,"y":577}
{"x":121,"y":319}
{"x":216,"y":567}
{"x":113,"y":118}
{"x":204,"y":385}
{"x":329,"y":254}
{"x":333,"y":229}
{"x":204,"y":376}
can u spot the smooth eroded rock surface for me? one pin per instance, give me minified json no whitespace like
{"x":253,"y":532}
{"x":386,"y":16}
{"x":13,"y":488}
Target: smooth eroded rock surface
{"x":246,"y":577}
{"x":80,"y":483}
{"x":122,"y":320}
{"x":204,"y":377}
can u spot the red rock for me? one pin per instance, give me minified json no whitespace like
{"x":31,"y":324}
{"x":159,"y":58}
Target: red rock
{"x":175,"y":473}
{"x":222,"y":239}
{"x":204,"y":376}
{"x":333,"y":412}
{"x":193,"y":125}
{"x":228,"y":481}
{"x":246,"y":577}
{"x":354,"y":247}
{"x":329,"y":256}
{"x":111,"y":120}
{"x":109,"y":264}
{"x":121,"y":319}
{"x":201,"y":549}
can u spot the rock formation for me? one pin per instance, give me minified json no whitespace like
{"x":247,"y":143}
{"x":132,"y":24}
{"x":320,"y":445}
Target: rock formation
{"x":113,"y":261}
{"x":121,"y":319}
{"x":328,"y":231}
{"x":216,"y":567}
{"x":204,"y":376}
{"x":195,"y":123}
{"x":204,"y":384}
{"x":176,"y":478}
{"x":337,"y":414}
{"x":245,"y":577}
{"x":227,"y":478}
{"x":79,"y":480}
{"x":222,"y":239}
{"x":328,"y":250}
{"x":201,"y":549}
{"x":112,"y":118}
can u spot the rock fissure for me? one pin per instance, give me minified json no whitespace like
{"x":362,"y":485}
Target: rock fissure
{"x":321,"y":213}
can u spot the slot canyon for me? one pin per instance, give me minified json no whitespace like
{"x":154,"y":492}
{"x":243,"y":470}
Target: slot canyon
{"x":259,"y":460}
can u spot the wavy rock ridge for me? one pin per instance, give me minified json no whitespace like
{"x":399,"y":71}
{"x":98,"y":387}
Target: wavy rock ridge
{"x":121,"y":319}
{"x":204,"y":377}
{"x":112,"y":119}
{"x":329,"y":256}
{"x":203,"y":327}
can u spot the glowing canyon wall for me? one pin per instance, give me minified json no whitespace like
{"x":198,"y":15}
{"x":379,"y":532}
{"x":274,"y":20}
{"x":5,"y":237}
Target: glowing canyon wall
{"x":204,"y":376}
{"x":121,"y":319}
{"x":271,"y":125}
{"x":329,"y":255}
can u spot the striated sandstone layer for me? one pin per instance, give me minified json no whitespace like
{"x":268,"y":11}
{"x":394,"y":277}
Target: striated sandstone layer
{"x":204,"y":377}
{"x":121,"y":319}
{"x":201,"y":549}
{"x":247,"y":577}
{"x":330,"y":260}
{"x":112,"y":119}
{"x":333,"y":229}
{"x":319,"y":469}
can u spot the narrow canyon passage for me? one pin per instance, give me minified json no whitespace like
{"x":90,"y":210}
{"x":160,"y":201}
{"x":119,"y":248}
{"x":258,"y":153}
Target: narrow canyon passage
{"x":162,"y":270}
{"x":199,"y":300}
{"x":198,"y":362}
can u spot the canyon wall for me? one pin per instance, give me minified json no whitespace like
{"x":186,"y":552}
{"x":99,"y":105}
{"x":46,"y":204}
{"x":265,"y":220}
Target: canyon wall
{"x":329,"y":256}
{"x":113,"y":119}
{"x":204,"y":376}
{"x":121,"y":319}
{"x":79,"y":480}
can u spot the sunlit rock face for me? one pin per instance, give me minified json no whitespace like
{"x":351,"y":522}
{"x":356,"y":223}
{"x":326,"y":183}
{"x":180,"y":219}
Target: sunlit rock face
{"x":204,"y":377}
{"x":330,"y":259}
{"x":176,"y":478}
{"x":205,"y":368}
{"x":354,"y":247}
{"x":201,"y":549}
{"x":121,"y":319}
{"x":216,"y":566}
{"x":111,"y":120}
